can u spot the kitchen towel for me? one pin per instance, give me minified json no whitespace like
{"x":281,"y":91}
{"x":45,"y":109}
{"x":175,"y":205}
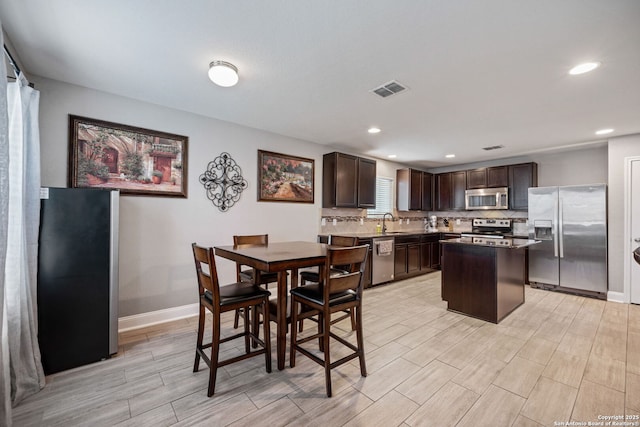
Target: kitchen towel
{"x":385,"y":247}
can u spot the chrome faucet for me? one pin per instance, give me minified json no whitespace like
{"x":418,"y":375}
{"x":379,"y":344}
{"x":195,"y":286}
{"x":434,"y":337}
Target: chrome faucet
{"x":384,"y":225}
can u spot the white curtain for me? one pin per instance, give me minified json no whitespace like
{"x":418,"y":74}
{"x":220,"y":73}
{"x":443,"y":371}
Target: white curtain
{"x":20,"y":202}
{"x":5,"y":377}
{"x":21,"y":266}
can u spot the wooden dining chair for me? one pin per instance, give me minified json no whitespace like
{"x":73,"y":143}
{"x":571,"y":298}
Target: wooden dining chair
{"x":314,"y":277}
{"x":220,"y":299}
{"x":338,"y":293}
{"x":250,"y":275}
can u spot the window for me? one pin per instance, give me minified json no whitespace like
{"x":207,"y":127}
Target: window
{"x":384,"y":197}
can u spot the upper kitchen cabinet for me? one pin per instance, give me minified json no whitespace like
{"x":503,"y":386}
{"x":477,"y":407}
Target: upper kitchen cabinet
{"x":348,"y":181}
{"x":366,"y":183}
{"x":496,"y":176}
{"x":450,"y":188}
{"x":521,"y":177}
{"x":414,"y":190}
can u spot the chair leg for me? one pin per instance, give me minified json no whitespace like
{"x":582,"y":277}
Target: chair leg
{"x":327,"y":357}
{"x":294,"y":332}
{"x":196,"y":364}
{"x":236,"y":319}
{"x":215,"y":349}
{"x":267,"y":333}
{"x":360,"y":340}
{"x":255,"y":325}
{"x":247,"y":323}
{"x":353,"y":320}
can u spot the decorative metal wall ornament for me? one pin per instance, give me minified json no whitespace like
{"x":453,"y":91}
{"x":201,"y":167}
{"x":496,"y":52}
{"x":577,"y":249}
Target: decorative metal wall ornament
{"x":223,"y":181}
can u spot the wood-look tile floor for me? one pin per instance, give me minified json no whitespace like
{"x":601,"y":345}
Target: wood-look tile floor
{"x":557,"y":358}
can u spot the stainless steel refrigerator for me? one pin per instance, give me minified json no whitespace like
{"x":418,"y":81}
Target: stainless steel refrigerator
{"x":77,"y":277}
{"x":571,"y":223}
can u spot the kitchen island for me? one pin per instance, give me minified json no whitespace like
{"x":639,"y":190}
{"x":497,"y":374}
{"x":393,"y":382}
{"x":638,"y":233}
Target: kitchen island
{"x":484,"y":277}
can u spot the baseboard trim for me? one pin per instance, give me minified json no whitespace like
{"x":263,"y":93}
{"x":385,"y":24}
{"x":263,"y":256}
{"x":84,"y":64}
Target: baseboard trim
{"x":143,"y":320}
{"x":617,"y":297}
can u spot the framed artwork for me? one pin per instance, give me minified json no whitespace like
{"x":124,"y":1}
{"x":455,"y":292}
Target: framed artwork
{"x":285,"y":178}
{"x":136,"y":161}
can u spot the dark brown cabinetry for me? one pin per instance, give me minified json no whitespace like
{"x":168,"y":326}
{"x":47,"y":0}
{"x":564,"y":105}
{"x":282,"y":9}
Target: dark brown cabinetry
{"x":481,"y":281}
{"x":416,"y":254}
{"x":450,"y":188}
{"x":414,"y":190}
{"x":427,"y":191}
{"x":366,"y":183}
{"x":497,"y":176}
{"x":407,"y":256}
{"x":348,"y":181}
{"x":521,"y":177}
{"x":430,"y":252}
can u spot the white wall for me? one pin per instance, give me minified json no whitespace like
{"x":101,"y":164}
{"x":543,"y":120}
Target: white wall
{"x":156,"y":265}
{"x":619,"y":148}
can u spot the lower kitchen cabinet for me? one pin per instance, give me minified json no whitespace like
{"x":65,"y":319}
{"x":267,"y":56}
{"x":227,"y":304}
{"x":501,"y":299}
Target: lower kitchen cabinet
{"x":407,"y":256}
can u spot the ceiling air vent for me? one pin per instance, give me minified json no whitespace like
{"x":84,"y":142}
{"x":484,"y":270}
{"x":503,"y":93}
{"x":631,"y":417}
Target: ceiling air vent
{"x":493,"y":147}
{"x":388,"y":89}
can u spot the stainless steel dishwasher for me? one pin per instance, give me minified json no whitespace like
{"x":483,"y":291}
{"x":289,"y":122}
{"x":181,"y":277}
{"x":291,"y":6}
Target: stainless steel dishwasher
{"x":382,"y":265}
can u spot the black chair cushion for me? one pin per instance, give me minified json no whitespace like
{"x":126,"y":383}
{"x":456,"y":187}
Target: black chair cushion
{"x":238,"y":292}
{"x":313,"y":293}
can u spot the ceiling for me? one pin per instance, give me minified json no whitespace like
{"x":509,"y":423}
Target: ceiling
{"x":479,"y":73}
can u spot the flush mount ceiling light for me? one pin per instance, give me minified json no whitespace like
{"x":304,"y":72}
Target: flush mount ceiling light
{"x":604,"y":131}
{"x":392,"y":156}
{"x":584,"y":68}
{"x":373,"y":130}
{"x":223,"y":73}
{"x":450,"y":156}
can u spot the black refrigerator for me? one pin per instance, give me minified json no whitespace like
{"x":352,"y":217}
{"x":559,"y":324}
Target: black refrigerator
{"x":77,"y":277}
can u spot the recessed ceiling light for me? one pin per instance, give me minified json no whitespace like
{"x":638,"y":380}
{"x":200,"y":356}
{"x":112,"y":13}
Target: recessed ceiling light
{"x":450,"y":156}
{"x":392,"y":156}
{"x":374,"y":130}
{"x":604,"y":131}
{"x":584,"y":68}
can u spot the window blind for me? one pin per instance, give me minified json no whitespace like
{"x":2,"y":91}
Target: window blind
{"x":384,"y":197}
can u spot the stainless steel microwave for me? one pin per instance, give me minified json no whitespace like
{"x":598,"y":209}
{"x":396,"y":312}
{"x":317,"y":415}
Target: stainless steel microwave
{"x":486,"y":198}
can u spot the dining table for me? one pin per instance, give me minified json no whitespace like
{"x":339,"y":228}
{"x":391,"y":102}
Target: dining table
{"x":280,"y":258}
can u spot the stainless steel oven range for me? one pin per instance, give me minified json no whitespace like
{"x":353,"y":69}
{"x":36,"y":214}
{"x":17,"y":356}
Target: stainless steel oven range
{"x":490,"y":228}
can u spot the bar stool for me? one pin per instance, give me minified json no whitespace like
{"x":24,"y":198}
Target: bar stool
{"x":337,"y":293}
{"x":314,"y":276}
{"x":220,"y":299}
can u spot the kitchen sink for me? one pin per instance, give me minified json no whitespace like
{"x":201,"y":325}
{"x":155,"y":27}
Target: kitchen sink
{"x":386,"y":233}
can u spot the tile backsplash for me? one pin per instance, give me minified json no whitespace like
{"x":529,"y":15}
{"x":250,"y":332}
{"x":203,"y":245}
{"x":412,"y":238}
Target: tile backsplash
{"x":356,"y":221}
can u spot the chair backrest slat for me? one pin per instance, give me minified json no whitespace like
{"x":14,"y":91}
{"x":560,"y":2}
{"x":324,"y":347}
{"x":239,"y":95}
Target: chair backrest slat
{"x":342,"y":241}
{"x":251,"y":240}
{"x":207,"y":280}
{"x":355,"y":257}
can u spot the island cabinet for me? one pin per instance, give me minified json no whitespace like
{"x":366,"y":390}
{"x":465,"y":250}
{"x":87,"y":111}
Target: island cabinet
{"x":521,"y":177}
{"x":414,"y":190}
{"x":450,"y":188}
{"x":482,"y":281}
{"x":348,"y":181}
{"x":491,"y":177}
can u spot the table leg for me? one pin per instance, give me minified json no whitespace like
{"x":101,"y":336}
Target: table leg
{"x":282,"y":318}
